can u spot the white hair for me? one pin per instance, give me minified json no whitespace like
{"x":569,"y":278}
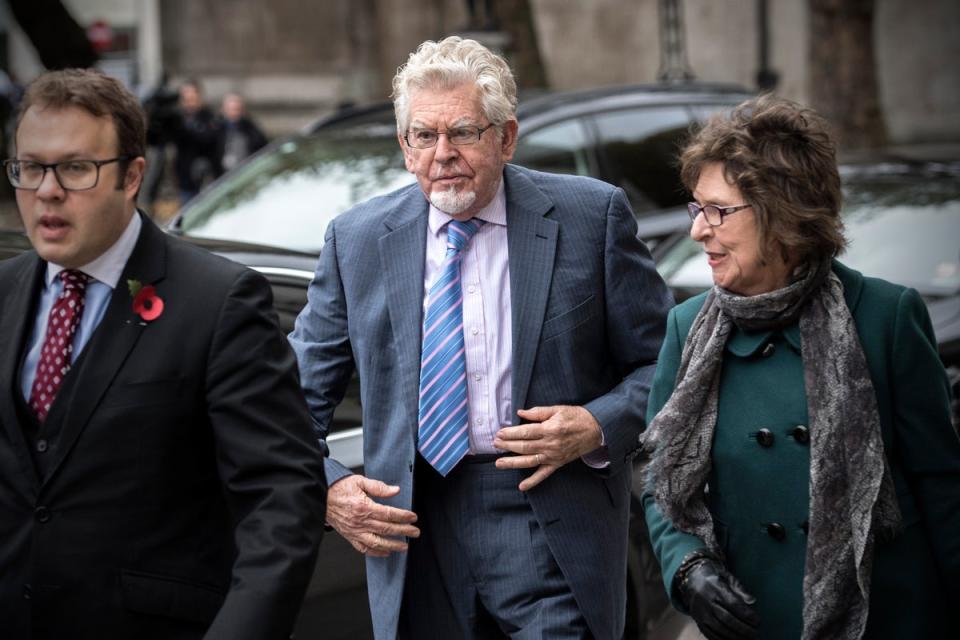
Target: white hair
{"x":450,"y":63}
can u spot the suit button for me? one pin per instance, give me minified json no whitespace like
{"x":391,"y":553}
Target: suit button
{"x":768,"y":350}
{"x":42,"y":514}
{"x":801,"y":434}
{"x":27,"y":591}
{"x":776,"y":531}
{"x":764,"y":437}
{"x":41,"y":446}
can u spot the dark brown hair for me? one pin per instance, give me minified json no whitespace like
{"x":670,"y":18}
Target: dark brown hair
{"x":782,"y":159}
{"x":97,"y":94}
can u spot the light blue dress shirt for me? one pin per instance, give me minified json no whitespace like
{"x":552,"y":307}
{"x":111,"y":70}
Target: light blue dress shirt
{"x":105,"y":273}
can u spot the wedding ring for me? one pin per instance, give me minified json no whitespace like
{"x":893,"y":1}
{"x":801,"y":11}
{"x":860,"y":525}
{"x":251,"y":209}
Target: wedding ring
{"x":539,"y":460}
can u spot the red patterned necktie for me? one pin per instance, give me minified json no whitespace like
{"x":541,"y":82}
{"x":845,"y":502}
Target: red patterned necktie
{"x":62,"y":324}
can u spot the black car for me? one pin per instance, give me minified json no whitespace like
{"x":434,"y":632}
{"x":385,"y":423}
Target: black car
{"x":902,"y":218}
{"x":628,"y":136}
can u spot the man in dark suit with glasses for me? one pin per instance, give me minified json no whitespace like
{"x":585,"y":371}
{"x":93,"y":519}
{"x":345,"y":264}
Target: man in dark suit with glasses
{"x":158,"y":473}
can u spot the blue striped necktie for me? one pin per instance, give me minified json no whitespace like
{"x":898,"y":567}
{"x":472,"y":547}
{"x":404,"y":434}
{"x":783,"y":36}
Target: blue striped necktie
{"x":442,"y":436}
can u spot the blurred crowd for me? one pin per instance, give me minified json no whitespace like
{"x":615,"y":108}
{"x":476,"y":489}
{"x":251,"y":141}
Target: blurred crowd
{"x":189,"y":143}
{"x":204,"y":144}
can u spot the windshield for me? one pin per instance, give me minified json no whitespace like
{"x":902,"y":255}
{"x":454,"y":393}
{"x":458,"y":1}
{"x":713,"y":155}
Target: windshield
{"x":288,"y":195}
{"x":902,"y":228}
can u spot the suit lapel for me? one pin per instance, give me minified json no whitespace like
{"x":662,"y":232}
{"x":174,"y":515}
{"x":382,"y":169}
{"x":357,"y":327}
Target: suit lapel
{"x":532,"y":245}
{"x":402,"y":253}
{"x":110,"y":344}
{"x":16,"y":319}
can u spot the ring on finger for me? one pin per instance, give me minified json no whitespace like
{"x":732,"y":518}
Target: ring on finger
{"x":539,"y":459}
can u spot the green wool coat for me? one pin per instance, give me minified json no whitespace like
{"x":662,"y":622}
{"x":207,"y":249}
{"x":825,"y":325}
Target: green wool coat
{"x":759,"y":484}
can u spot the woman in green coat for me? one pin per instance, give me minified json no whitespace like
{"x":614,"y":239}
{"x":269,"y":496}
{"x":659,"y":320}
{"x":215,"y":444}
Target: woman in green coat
{"x":804,"y":475}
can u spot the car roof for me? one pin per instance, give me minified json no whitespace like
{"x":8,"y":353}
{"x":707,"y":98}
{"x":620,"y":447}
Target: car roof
{"x":564,"y":103}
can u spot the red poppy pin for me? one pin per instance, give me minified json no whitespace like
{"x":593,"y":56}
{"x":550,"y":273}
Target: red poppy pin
{"x":146,"y":303}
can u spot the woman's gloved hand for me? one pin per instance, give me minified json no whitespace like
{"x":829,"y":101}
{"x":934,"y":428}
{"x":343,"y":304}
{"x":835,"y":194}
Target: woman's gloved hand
{"x":716,"y":600}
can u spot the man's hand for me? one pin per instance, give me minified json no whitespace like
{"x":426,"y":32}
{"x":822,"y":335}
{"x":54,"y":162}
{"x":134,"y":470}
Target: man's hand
{"x":372,"y":528}
{"x":553,"y":437}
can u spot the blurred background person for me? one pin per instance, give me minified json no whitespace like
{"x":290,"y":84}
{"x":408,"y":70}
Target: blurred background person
{"x":237,"y":136}
{"x":163,"y":115}
{"x":804,"y":479}
{"x":195,"y":138}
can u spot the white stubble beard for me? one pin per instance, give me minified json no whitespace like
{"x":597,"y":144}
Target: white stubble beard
{"x":452,"y":201}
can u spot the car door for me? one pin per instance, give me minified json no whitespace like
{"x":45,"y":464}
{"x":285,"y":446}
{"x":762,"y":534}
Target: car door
{"x":335,"y":605}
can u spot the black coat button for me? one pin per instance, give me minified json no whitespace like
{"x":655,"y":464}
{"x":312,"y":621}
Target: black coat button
{"x":41,"y":446}
{"x":42,"y":514}
{"x":764,"y":437}
{"x":27,"y":591}
{"x":768,"y":350}
{"x":776,"y":531}
{"x":801,"y":434}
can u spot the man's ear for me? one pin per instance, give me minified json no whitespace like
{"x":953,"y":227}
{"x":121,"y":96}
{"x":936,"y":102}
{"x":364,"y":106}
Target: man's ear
{"x":134,"y":176}
{"x":508,"y":141}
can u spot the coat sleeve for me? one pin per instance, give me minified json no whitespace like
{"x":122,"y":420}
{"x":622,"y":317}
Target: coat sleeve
{"x":321,"y":341}
{"x":926,"y":441}
{"x":268,"y":462}
{"x":637,"y":301}
{"x":669,"y":543}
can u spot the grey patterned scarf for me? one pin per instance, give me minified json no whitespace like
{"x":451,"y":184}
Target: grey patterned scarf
{"x":852,"y":498}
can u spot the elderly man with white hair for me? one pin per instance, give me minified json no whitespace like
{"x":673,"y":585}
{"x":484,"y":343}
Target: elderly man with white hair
{"x":505,"y":324}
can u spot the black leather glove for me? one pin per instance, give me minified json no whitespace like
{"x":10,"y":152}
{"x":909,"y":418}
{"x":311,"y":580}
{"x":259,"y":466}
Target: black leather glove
{"x":716,"y":600}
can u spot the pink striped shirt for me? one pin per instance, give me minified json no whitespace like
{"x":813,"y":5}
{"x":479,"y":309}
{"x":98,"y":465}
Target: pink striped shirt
{"x":487,"y":334}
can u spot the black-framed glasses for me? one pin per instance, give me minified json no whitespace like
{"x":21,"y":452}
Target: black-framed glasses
{"x":72,"y":175}
{"x":713,"y":214}
{"x":426,"y":138}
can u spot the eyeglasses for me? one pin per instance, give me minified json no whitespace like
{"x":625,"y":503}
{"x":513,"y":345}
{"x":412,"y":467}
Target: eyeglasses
{"x":72,"y":175}
{"x":713,"y":214}
{"x":426,"y":138}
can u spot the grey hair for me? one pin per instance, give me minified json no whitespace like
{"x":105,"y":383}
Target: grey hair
{"x":450,"y":63}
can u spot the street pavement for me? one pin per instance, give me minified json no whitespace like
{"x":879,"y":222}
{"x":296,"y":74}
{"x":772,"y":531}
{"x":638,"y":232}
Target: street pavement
{"x":676,"y":626}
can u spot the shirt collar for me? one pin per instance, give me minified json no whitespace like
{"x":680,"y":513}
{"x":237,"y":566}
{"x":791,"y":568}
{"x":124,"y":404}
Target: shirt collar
{"x":108,"y":266}
{"x":494,"y":213}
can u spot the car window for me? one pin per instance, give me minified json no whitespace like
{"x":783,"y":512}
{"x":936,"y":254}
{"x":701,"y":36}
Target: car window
{"x":287,"y":195}
{"x":555,"y":148}
{"x":640,"y":146}
{"x":917,"y":224}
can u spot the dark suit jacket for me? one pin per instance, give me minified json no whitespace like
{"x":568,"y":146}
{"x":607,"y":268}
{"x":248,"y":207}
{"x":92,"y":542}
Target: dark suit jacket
{"x":181,"y":485}
{"x":588,"y":311}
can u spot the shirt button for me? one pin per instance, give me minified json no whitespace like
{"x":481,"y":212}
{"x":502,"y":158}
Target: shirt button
{"x":471,"y":289}
{"x":41,"y":446}
{"x":477,"y":377}
{"x":479,"y":421}
{"x":474,"y":330}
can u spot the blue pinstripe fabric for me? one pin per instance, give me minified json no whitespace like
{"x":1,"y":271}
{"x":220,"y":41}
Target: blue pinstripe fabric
{"x":442,"y":436}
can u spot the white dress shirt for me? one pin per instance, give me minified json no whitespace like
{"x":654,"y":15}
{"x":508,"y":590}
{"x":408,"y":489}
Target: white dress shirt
{"x":487,"y":332}
{"x":105,"y":272}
